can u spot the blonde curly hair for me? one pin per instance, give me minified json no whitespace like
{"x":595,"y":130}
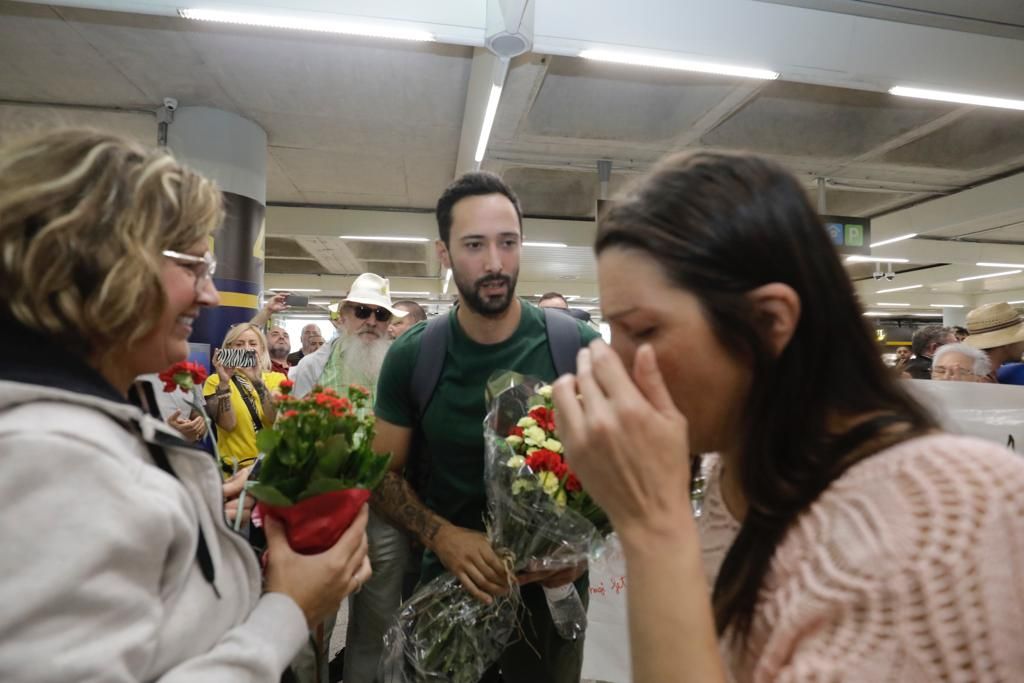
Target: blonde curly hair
{"x":84,"y":217}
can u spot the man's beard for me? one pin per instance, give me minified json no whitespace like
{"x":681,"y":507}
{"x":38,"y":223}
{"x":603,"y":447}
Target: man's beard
{"x":489,"y":307}
{"x":279,"y":353}
{"x":363,"y":356}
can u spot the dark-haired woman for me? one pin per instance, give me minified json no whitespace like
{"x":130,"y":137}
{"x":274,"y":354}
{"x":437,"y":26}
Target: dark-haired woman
{"x":846,"y":538}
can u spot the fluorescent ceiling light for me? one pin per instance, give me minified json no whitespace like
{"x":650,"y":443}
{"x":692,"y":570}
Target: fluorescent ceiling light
{"x":892,"y":240}
{"x":447,"y":281}
{"x":999,"y":265}
{"x":927,"y":315}
{"x":321,"y":24}
{"x":383,"y":238}
{"x":946,"y":305}
{"x":320,"y":302}
{"x":958,"y":97}
{"x":898,"y":289}
{"x":485,"y":129}
{"x":890,"y":304}
{"x":659,"y":62}
{"x":988,"y":275}
{"x":291,"y":289}
{"x":1016,"y":302}
{"x":875,"y":259}
{"x":556,"y":245}
{"x":875,"y":314}
{"x":420,"y":294}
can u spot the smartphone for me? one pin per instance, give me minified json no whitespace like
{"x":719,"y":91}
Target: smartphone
{"x":237,"y":358}
{"x":296,"y":300}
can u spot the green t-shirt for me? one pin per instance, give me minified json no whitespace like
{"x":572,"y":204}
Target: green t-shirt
{"x":453,"y":422}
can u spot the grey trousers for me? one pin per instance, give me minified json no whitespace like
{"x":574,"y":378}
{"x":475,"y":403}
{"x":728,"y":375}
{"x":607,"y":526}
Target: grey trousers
{"x":370,"y":611}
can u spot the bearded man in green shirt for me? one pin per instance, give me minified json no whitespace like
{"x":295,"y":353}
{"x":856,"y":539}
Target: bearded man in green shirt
{"x":480,"y":230}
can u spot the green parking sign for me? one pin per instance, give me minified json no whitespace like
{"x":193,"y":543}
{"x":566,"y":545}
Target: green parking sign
{"x":854,"y":235}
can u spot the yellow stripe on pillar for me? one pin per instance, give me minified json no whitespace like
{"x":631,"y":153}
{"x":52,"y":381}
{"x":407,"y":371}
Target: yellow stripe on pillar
{"x":239,"y":300}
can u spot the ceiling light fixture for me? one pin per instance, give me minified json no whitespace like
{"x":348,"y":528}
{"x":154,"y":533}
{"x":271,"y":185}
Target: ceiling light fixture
{"x":659,"y":62}
{"x":415,"y":294}
{"x":290,"y":289}
{"x":485,"y":128}
{"x":946,"y":305}
{"x":383,"y":238}
{"x":875,"y":314}
{"x":890,"y":304}
{"x":989,"y":275}
{"x":875,"y":259}
{"x":1016,"y":302}
{"x":983,"y":264}
{"x":898,"y":289}
{"x":957,"y":97}
{"x":321,"y":24}
{"x":927,"y":315}
{"x":554,"y":245}
{"x":908,"y":236}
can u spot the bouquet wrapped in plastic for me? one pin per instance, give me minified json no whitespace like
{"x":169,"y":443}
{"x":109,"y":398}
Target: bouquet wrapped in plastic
{"x":539,"y":519}
{"x":318,"y":466}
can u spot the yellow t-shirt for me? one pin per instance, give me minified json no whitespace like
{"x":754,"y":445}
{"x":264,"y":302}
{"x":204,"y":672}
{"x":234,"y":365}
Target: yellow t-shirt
{"x":238,"y":446}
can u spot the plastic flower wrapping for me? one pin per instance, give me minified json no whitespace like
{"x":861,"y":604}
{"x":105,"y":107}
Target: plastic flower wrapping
{"x":319,"y":466}
{"x":539,"y":518}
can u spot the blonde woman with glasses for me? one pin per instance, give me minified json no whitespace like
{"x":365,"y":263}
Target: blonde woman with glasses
{"x":240,"y":399}
{"x":117,"y":562}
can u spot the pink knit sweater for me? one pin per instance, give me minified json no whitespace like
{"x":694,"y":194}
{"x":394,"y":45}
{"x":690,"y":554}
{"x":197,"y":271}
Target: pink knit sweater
{"x":908,"y":568}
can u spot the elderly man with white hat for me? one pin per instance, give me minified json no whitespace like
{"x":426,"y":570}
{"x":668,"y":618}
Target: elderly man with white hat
{"x":998,"y":330}
{"x":355,"y":357}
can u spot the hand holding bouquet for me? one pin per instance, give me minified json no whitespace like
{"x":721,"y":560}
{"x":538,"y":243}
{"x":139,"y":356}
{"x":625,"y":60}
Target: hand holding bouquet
{"x":540,"y":519}
{"x":319,"y":466}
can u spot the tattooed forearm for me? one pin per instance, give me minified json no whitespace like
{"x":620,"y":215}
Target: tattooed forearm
{"x":396,"y":500}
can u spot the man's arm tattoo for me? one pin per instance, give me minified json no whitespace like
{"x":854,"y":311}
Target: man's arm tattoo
{"x":396,"y":500}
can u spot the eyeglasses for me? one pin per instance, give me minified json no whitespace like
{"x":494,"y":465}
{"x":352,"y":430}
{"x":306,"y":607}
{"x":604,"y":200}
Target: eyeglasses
{"x":955,"y":371}
{"x":202,"y":266}
{"x":363,"y":312}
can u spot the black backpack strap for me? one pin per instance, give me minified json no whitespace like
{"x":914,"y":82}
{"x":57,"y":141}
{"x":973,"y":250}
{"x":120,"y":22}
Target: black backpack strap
{"x":563,"y":340}
{"x":429,"y":364}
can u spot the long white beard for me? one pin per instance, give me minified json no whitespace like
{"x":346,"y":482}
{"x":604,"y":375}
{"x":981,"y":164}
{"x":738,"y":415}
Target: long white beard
{"x":362,"y":359}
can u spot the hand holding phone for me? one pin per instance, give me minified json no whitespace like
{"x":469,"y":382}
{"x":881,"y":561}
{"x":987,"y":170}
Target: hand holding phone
{"x":236,"y":358}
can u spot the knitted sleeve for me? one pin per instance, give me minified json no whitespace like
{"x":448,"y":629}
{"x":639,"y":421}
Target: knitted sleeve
{"x":909,"y":568}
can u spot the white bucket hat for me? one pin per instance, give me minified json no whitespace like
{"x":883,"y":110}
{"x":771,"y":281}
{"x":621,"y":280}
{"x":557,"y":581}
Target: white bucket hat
{"x":372,"y":290}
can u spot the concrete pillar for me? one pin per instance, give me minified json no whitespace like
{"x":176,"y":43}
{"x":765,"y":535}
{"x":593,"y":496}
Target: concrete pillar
{"x":232,"y":151}
{"x":954,"y":316}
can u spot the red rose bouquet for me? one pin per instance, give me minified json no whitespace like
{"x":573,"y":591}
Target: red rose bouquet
{"x":539,"y":519}
{"x":318,"y":465}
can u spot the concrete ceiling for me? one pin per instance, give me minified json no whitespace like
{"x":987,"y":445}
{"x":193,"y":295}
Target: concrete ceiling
{"x":358,"y":124}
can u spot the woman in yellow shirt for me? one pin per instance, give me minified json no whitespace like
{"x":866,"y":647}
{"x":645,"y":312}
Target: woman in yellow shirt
{"x":240,"y":400}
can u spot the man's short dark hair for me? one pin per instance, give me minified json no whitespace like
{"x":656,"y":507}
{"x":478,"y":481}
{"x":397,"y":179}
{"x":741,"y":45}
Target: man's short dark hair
{"x":552,"y":295}
{"x":474,"y":184}
{"x":928,"y":335}
{"x":414,"y":309}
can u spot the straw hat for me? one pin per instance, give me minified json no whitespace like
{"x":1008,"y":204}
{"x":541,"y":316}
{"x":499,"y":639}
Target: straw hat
{"x":994,"y":325}
{"x":372,"y":290}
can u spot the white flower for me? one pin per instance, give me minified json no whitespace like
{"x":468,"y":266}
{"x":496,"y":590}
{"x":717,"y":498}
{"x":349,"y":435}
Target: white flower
{"x":526,"y":422}
{"x":516,"y":461}
{"x":545,"y":391}
{"x":553,"y":445}
{"x":520,"y":485}
{"x":534,"y":436}
{"x":514,"y":441}
{"x":549,"y":482}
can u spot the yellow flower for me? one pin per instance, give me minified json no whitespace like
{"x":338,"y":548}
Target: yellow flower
{"x":548,"y":482}
{"x":516,"y":461}
{"x":520,"y":485}
{"x":514,"y":441}
{"x":525,"y":422}
{"x":545,"y":391}
{"x":560,"y":498}
{"x":553,"y":445}
{"x":535,"y":436}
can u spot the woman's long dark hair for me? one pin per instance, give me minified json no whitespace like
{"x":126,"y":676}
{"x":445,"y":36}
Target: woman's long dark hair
{"x":720,"y":225}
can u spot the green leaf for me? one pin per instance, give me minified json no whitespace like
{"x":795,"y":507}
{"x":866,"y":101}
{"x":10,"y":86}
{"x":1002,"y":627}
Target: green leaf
{"x":325,"y":485}
{"x":267,"y":440}
{"x":268,"y":494}
{"x":335,"y":453}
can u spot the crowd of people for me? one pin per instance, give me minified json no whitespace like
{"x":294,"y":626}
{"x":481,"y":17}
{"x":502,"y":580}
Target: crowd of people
{"x":845,"y":536}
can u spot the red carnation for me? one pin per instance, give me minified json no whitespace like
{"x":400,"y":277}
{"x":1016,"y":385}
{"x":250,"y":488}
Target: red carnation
{"x":287,"y":386}
{"x":544,"y":418}
{"x":290,"y":413}
{"x":183,"y":375}
{"x":572,"y":484}
{"x":516,"y":431}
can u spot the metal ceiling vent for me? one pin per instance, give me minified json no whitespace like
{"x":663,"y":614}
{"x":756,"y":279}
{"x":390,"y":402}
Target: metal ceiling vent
{"x":509,"y":27}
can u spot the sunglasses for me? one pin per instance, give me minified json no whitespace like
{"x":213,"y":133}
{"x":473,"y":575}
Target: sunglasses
{"x":363,"y":312}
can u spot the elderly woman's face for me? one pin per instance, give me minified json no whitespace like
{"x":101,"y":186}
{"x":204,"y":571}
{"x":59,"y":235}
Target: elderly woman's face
{"x":167,"y":343}
{"x":955,"y":367}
